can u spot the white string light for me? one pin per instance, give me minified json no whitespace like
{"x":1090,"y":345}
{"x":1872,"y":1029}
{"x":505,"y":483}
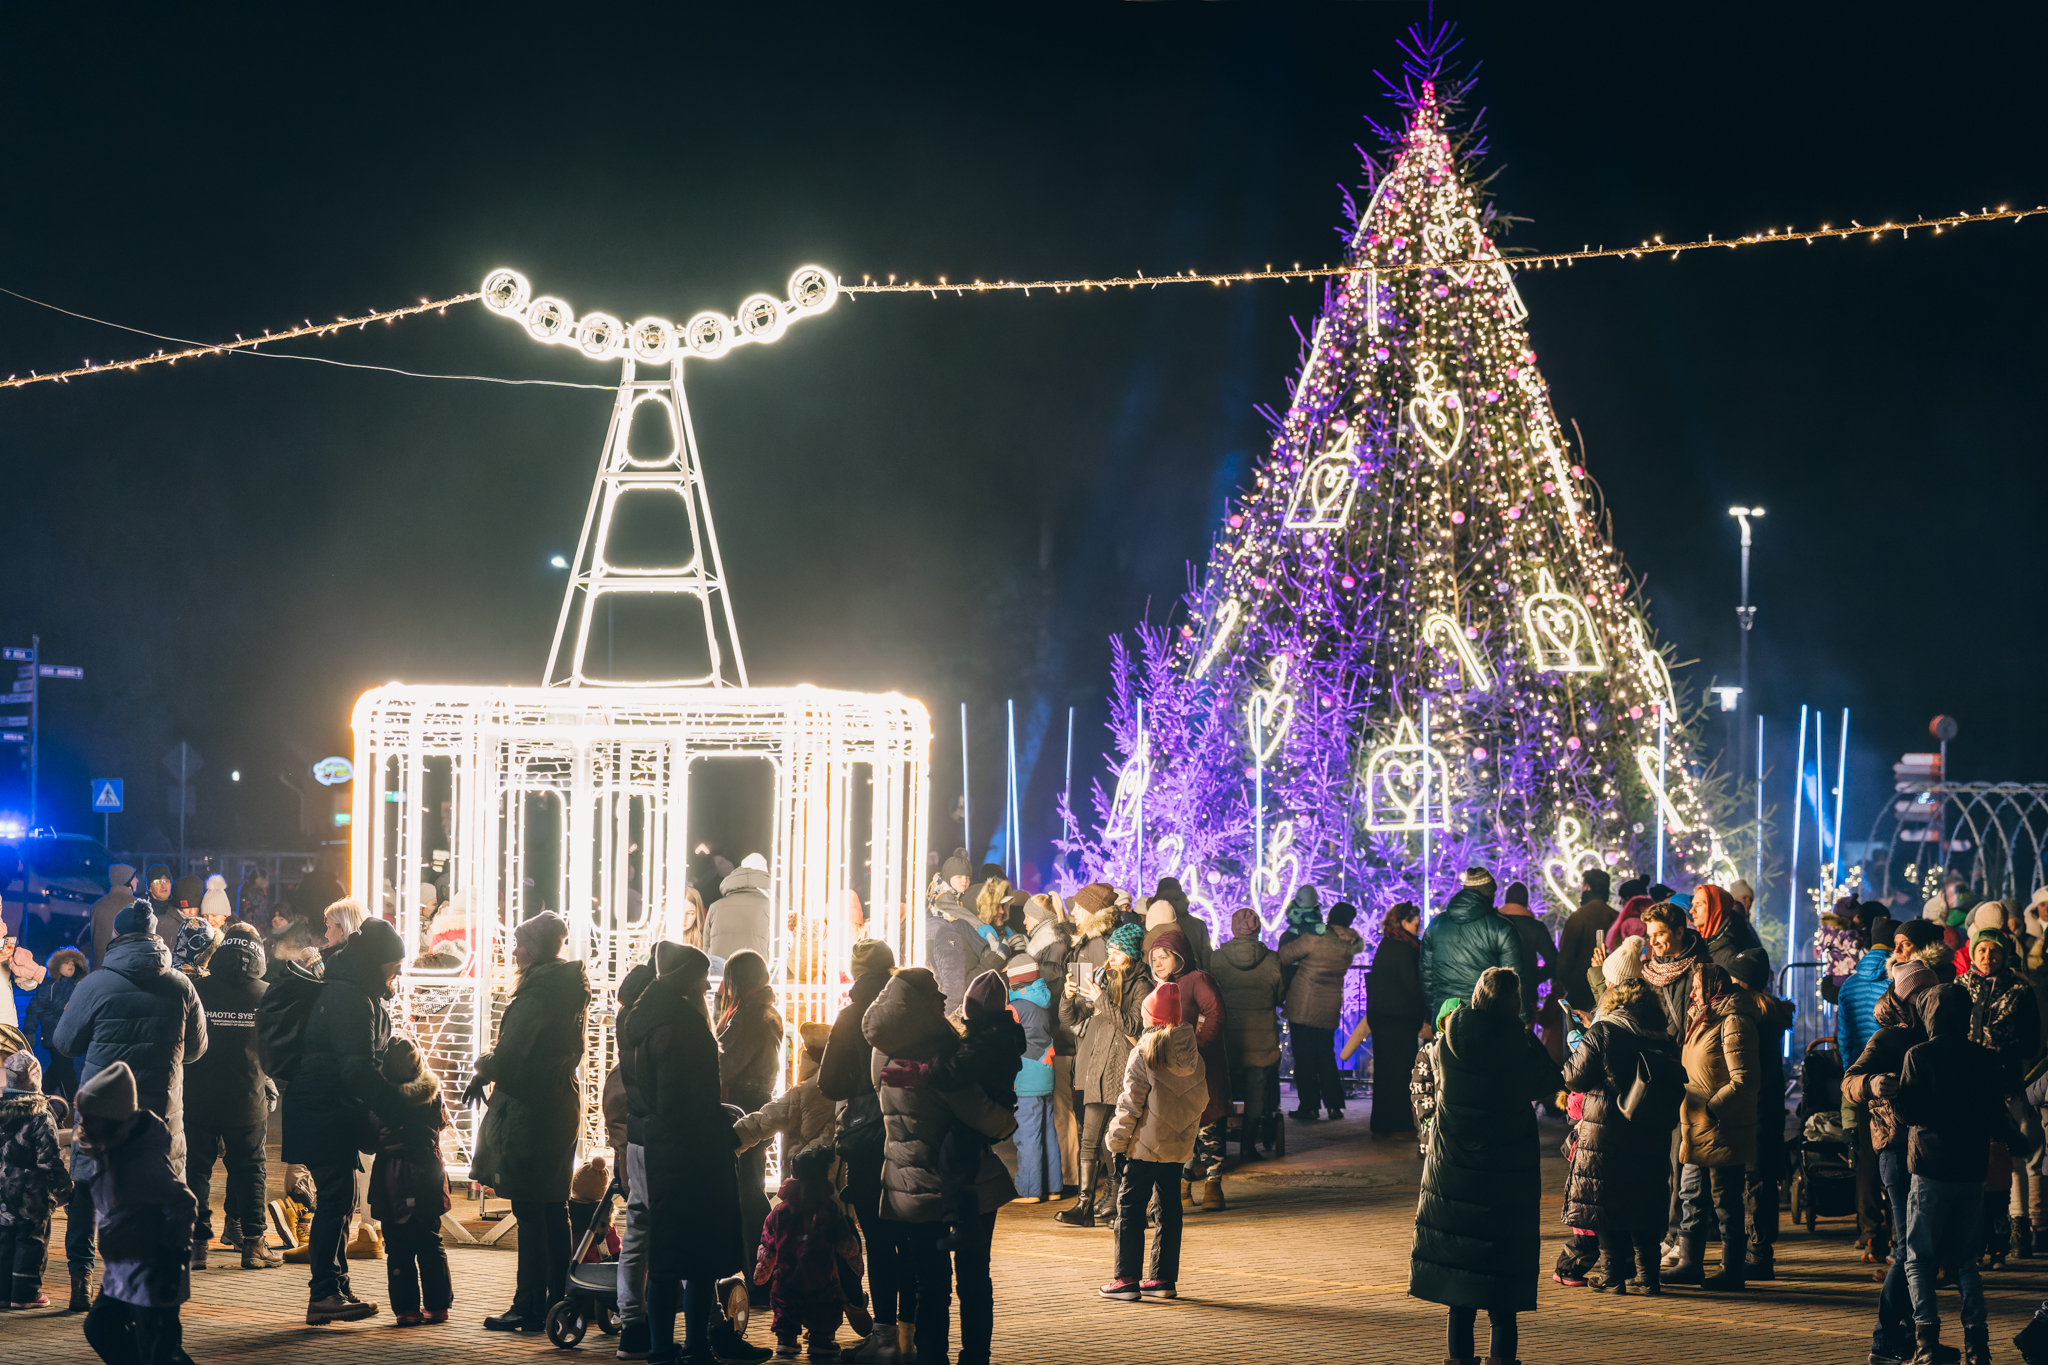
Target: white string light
{"x":715,"y":337}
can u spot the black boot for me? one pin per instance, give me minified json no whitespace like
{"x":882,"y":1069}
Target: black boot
{"x":527,"y":1314}
{"x":1927,"y":1343}
{"x":1607,"y":1277}
{"x":1763,"y":1261}
{"x":1692,"y":1254}
{"x":1081,"y":1214}
{"x":81,"y":1291}
{"x":2033,"y":1338}
{"x":1977,"y":1345}
{"x":1734,"y":1273}
{"x":2023,"y":1237}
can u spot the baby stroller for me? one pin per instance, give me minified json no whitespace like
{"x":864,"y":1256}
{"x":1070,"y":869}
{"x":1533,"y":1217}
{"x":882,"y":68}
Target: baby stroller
{"x":1823,"y":1179}
{"x":592,"y":1295}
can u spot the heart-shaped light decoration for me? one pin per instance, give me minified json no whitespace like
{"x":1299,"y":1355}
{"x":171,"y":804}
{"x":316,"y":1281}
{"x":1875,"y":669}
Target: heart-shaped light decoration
{"x":1270,"y":712}
{"x":1407,"y":784}
{"x":1562,"y":638}
{"x":1456,"y":244}
{"x":1435,"y":414}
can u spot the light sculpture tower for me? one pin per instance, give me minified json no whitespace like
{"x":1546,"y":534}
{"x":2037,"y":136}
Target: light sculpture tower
{"x":575,"y":795}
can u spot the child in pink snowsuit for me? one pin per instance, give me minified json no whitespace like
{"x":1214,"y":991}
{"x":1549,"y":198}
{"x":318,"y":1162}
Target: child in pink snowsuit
{"x":803,"y":1242}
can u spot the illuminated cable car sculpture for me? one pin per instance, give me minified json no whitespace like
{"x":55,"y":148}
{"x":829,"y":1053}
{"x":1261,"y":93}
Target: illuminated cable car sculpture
{"x":576,"y":795}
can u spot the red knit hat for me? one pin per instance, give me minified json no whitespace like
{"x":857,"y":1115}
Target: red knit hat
{"x":1162,"y":1007}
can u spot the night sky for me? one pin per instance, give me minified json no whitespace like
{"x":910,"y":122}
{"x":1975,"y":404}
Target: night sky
{"x":963,"y":499}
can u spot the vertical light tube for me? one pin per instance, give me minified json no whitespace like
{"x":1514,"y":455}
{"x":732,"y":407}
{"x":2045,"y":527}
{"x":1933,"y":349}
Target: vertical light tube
{"x":1664,"y":779}
{"x":1428,"y":901}
{"x":1792,"y":872}
{"x":966,"y":802}
{"x":1010,"y":857}
{"x":1138,"y":822}
{"x":1841,"y":792}
{"x":1820,"y":788}
{"x":1759,"y":886}
{"x":1258,"y":808}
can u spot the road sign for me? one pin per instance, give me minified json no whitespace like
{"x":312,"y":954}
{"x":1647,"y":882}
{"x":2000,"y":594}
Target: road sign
{"x":21,"y":655}
{"x":13,"y":737}
{"x":106,"y":794}
{"x":60,"y":671}
{"x":329,"y":772}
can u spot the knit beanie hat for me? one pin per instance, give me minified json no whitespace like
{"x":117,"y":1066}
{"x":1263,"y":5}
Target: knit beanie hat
{"x":378,"y":942}
{"x":157,"y":873}
{"x":1449,"y":1007}
{"x":1884,"y":932}
{"x":215,"y":901}
{"x":23,"y":1072}
{"x":544,"y":933}
{"x":1162,"y":1007}
{"x":1517,"y":894}
{"x":135,"y":918}
{"x":1021,"y":970}
{"x":110,"y":1094}
{"x":1935,"y":909}
{"x":987,"y":994}
{"x":1305,"y":898}
{"x":1095,"y":896}
{"x":681,"y":960}
{"x":955,"y":866}
{"x":1633,"y":887}
{"x":1990,"y":915}
{"x":1244,"y":923}
{"x":1625,"y":963}
{"x":1743,"y":891}
{"x":186,"y":895}
{"x":1477,"y":878}
{"x":1127,"y":939}
{"x":872,"y":955}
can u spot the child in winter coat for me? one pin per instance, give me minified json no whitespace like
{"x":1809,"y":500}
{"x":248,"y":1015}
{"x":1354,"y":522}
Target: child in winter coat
{"x":1038,"y":1141}
{"x":409,"y":1190}
{"x":145,"y":1222}
{"x":63,"y":972}
{"x":1422,"y":1080}
{"x":808,"y":1245}
{"x":33,"y":1181}
{"x":801,"y":1114}
{"x":1153,"y":1135}
{"x":988,"y":1057}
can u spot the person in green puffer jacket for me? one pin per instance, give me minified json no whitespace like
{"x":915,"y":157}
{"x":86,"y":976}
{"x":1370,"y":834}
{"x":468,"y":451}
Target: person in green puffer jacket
{"x":1468,"y":936}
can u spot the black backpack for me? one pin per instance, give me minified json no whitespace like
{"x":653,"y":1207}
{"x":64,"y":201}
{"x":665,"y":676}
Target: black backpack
{"x":281,"y":1019}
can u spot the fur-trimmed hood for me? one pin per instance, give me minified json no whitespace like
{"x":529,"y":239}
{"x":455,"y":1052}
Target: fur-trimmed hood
{"x":1095,"y":923}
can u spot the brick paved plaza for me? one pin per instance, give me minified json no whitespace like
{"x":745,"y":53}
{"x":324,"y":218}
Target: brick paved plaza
{"x":1309,"y":1262}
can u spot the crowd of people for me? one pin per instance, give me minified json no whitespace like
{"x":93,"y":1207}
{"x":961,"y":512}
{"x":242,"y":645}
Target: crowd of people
{"x":1104,"y":1034}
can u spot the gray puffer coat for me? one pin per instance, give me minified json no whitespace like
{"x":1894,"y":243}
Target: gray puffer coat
{"x":905,"y":1023}
{"x":1247,"y":976}
{"x":1165,"y":1091}
{"x":1315,"y":998}
{"x":1107,"y":1026}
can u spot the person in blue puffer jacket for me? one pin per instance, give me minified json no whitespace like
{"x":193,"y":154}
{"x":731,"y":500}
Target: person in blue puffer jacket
{"x":1855,"y":1026}
{"x":1038,"y":1140}
{"x":1865,"y":986}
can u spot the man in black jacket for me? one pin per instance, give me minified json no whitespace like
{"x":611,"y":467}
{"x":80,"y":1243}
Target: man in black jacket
{"x":327,"y":1105}
{"x":1588,"y":924}
{"x":1951,"y":1093}
{"x":230,"y":1102}
{"x":134,"y":1009}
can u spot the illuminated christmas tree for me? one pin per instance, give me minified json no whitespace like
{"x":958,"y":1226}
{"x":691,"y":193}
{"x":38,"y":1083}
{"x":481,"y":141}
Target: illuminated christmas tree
{"x":1412,"y":649}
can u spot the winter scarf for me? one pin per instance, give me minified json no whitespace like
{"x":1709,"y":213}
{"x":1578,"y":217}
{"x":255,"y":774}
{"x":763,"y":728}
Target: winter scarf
{"x":1708,"y":988}
{"x":1662,"y":971}
{"x":1306,"y":919}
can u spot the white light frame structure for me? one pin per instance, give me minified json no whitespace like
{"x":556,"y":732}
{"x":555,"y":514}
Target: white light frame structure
{"x":592,"y":776}
{"x":611,"y":769}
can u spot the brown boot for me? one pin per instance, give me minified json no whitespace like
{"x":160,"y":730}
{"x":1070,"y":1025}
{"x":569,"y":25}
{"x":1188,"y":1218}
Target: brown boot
{"x":1212,"y":1195}
{"x":257,"y":1255}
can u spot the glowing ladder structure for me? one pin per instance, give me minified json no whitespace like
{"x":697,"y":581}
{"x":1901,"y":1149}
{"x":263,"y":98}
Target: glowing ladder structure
{"x":678,"y":470}
{"x":592,"y":576}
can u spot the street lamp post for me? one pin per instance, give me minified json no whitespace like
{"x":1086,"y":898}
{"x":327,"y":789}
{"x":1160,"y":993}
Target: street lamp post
{"x":1746,"y":616}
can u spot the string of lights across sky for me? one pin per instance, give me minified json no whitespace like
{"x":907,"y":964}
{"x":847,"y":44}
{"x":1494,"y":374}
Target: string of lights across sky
{"x":942,"y":286}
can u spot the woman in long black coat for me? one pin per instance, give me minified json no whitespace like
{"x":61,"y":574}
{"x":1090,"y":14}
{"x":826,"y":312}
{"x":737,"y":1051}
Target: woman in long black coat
{"x":1476,"y":1225}
{"x":669,"y":1059}
{"x":1620,"y":1184}
{"x":1396,"y":1011}
{"x":526,"y":1148}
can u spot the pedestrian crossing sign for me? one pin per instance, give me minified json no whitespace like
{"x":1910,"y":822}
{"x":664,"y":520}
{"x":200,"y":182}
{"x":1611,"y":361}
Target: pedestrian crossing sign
{"x":106,"y":793}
